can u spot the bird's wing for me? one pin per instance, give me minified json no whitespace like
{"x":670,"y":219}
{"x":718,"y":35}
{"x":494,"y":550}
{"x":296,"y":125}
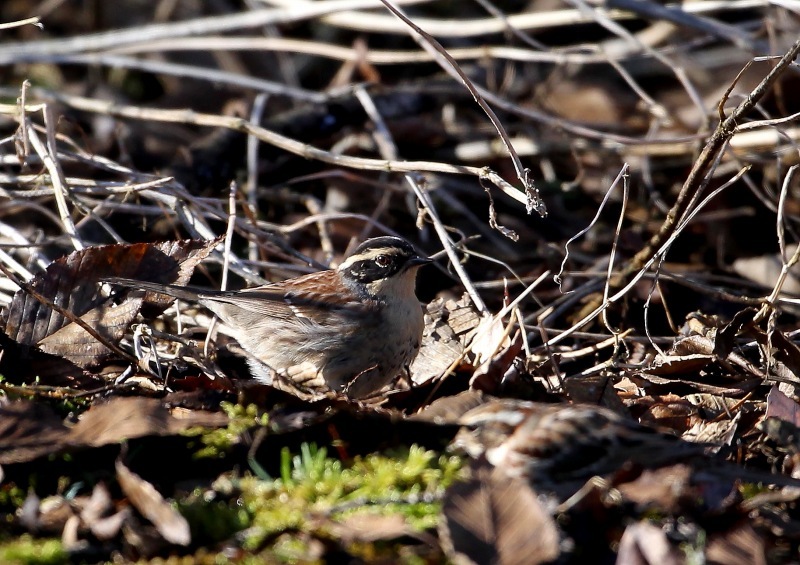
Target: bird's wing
{"x":291,"y":299}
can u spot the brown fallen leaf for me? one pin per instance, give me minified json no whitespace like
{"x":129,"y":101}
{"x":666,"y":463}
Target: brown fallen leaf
{"x":124,"y":418}
{"x":597,"y":390}
{"x":741,"y":545}
{"x":645,"y":544}
{"x":446,"y":325}
{"x":488,"y":377}
{"x":172,"y":526}
{"x":71,"y":283}
{"x":369,"y":528}
{"x":29,"y":430}
{"x":493,"y":518}
{"x":782,"y":407}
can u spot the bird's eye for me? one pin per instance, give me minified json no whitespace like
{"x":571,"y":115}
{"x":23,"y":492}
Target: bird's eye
{"x":383,"y":261}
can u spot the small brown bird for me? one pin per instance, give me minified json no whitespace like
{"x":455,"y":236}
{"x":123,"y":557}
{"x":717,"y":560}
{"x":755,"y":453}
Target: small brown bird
{"x":558,"y":447}
{"x":554,"y":443}
{"x":352,"y":329}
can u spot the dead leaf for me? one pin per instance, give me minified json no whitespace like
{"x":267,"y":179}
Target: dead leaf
{"x":172,"y":526}
{"x":71,"y":283}
{"x":645,"y":544}
{"x":365,"y":527}
{"x":741,"y":545}
{"x":490,"y":337}
{"x":597,"y":390}
{"x":688,"y":355}
{"x":782,"y":407}
{"x":446,"y":326}
{"x":716,"y":433}
{"x":124,"y":418}
{"x":489,"y":376}
{"x":492,"y":518}
{"x":29,"y":430}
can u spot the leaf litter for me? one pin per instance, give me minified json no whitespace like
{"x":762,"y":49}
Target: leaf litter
{"x":129,"y":426}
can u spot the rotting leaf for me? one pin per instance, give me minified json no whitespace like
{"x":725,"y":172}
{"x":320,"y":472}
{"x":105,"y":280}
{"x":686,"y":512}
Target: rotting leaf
{"x":494,"y":518}
{"x":172,"y":526}
{"x":71,"y":283}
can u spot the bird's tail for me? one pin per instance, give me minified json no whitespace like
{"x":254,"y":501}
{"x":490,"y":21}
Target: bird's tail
{"x":182,"y":292}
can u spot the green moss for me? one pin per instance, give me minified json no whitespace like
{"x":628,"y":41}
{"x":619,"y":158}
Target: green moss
{"x":31,"y":551}
{"x":408,"y":482}
{"x":217,"y":442}
{"x":749,"y":490}
{"x":11,"y":495}
{"x":63,"y":401}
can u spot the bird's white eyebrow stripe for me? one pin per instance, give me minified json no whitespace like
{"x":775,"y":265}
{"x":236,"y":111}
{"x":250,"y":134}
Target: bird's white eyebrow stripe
{"x":368,"y":255}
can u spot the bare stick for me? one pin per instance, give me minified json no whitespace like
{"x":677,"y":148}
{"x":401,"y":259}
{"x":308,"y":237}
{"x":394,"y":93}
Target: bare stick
{"x":702,"y":165}
{"x":451,"y":67}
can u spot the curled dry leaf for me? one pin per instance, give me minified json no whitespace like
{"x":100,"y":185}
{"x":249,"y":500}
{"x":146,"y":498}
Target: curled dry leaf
{"x":172,"y":526}
{"x":71,"y":283}
{"x":490,"y":337}
{"x":716,"y":433}
{"x":490,"y":375}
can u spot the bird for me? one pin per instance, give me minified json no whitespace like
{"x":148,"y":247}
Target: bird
{"x":558,"y":443}
{"x":557,"y":448}
{"x":351,"y":330}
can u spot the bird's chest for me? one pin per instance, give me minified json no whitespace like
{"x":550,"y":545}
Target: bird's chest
{"x":397,"y":332}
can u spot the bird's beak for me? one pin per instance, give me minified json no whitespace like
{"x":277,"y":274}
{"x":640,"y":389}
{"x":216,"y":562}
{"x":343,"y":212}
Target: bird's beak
{"x":418,"y":261}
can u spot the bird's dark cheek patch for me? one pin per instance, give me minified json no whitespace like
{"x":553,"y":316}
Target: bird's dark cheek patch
{"x":368,"y":271}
